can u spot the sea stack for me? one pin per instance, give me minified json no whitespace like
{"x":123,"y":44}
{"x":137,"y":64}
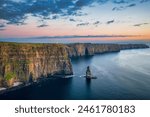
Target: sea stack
{"x":88,"y":72}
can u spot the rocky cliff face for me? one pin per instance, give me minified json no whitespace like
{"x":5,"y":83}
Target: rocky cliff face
{"x":132,"y":46}
{"x":77,"y":50}
{"x":19,"y":61}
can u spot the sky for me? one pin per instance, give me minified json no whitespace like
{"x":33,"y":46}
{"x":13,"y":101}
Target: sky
{"x":103,"y":19}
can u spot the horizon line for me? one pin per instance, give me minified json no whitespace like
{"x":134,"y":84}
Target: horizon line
{"x":71,"y":36}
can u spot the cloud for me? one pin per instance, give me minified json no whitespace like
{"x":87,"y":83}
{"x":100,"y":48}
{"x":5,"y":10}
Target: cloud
{"x":120,"y":1}
{"x":110,"y":22}
{"x":81,"y":3}
{"x":83,"y":24}
{"x":131,"y":5}
{"x":17,"y":11}
{"x":72,"y":20}
{"x":75,"y":20}
{"x":102,"y":1}
{"x":42,"y":25}
{"x":141,"y":24}
{"x":118,"y":8}
{"x":2,"y":26}
{"x":123,"y":7}
{"x":97,"y":22}
{"x":142,"y":1}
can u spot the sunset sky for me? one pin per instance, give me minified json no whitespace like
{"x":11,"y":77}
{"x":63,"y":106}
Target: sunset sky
{"x":106,"y":19}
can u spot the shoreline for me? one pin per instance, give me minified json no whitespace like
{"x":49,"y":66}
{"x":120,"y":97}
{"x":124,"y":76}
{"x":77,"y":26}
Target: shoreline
{"x":42,"y":79}
{"x":74,"y":47}
{"x":38,"y":81}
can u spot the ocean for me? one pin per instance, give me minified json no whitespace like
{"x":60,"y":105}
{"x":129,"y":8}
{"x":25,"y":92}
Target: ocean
{"x":123,"y":75}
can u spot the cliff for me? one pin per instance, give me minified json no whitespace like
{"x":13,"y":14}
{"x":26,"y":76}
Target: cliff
{"x":19,"y":62}
{"x":78,"y":49}
{"x":28,"y":62}
{"x":132,"y":46}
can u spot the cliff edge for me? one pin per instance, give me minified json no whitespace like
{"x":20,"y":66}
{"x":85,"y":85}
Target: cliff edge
{"x":87,"y":49}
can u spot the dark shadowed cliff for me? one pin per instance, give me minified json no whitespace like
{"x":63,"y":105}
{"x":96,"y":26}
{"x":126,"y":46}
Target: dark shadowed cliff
{"x":28,"y":62}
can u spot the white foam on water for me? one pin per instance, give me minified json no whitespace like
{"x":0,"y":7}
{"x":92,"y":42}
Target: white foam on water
{"x":2,"y":88}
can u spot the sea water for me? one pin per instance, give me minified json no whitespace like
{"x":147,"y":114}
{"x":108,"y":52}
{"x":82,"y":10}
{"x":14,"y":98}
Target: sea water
{"x":121,"y":75}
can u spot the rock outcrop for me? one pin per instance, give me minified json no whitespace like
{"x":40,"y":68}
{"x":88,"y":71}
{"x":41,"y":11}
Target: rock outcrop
{"x":18,"y":62}
{"x":88,"y":72}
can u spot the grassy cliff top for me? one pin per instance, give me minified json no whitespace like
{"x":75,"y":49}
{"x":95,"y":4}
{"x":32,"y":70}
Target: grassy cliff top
{"x":26,"y":44}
